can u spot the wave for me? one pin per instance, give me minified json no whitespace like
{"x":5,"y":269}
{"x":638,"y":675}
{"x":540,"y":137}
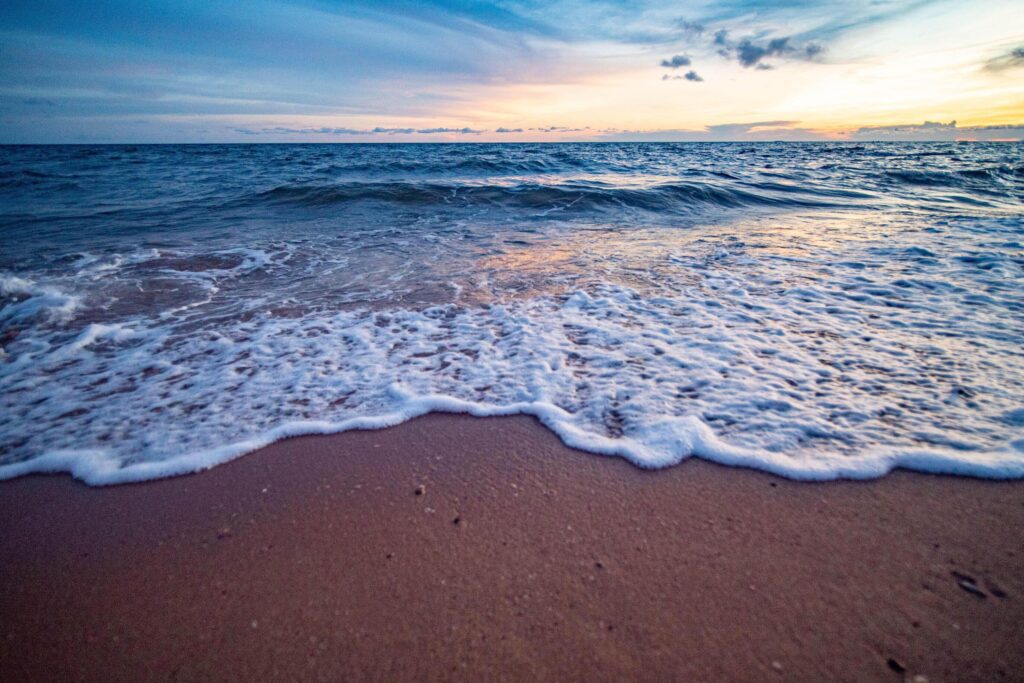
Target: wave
{"x":660,"y":197}
{"x":32,"y":178}
{"x":976,"y":178}
{"x":461,"y":164}
{"x":22,"y":301}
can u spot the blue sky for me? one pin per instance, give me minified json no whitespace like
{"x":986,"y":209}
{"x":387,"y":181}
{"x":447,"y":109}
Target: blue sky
{"x":277,"y":70}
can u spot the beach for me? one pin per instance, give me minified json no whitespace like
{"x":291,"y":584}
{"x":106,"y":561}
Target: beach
{"x":512,"y":341}
{"x":467,"y":548}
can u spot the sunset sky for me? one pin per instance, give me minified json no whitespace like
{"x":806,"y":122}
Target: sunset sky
{"x":515,"y":70}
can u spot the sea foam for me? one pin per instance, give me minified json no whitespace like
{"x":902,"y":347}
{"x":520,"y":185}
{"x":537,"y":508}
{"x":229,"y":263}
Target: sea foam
{"x":800,"y":337}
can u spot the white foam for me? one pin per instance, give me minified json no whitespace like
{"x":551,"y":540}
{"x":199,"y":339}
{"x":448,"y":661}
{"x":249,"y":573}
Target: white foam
{"x":34,"y":301}
{"x":658,"y":445}
{"x":96,"y":332}
{"x":603,"y":370}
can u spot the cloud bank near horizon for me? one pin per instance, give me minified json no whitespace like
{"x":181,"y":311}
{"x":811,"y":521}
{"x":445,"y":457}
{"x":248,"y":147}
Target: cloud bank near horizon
{"x":758,"y":131}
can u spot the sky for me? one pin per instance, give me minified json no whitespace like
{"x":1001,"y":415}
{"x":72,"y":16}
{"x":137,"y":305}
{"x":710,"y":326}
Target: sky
{"x":510,"y":70}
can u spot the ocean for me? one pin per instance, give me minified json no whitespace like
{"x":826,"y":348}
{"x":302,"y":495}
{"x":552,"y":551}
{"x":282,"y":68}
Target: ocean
{"x":819,"y":310}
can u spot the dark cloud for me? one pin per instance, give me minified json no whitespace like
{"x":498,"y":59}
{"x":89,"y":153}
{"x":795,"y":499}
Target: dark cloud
{"x":751,"y":53}
{"x":1013,"y":59}
{"x":676,"y":61}
{"x":812,"y":50}
{"x":509,"y":130}
{"x":688,"y":76}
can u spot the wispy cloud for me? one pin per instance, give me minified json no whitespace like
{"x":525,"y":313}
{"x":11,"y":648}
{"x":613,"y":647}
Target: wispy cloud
{"x":691,"y":27}
{"x":1014,"y":59}
{"x":181,"y":58}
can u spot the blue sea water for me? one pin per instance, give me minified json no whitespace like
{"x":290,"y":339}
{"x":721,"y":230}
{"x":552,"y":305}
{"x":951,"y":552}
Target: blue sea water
{"x":815,"y":310}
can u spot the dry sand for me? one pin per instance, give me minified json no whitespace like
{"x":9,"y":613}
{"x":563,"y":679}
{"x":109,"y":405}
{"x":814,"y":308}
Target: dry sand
{"x":521,"y":559}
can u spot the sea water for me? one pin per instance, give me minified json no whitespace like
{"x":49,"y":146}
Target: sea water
{"x":814,"y":310}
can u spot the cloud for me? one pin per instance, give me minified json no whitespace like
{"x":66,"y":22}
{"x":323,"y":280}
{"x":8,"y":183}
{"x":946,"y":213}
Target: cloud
{"x":750,"y":54}
{"x":676,"y":61}
{"x":691,"y":75}
{"x":111,"y":60}
{"x":727,"y":132}
{"x":379,"y":130}
{"x":691,"y":27}
{"x":560,"y":129}
{"x":73,"y":71}
{"x":459,"y":131}
{"x":387,"y":131}
{"x":756,"y":131}
{"x":933,"y":131}
{"x":812,"y":50}
{"x":1014,"y":59}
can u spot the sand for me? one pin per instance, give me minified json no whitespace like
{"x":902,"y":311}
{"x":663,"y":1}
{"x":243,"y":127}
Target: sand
{"x":456,"y":547}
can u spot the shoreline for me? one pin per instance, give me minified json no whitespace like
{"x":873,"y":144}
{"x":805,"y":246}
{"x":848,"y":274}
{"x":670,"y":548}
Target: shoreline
{"x":685,"y":439}
{"x":521,"y":558}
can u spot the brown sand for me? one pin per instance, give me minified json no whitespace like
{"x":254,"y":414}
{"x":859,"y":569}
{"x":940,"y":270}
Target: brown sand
{"x":522,"y":559}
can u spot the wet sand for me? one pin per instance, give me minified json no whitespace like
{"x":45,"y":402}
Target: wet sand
{"x":457,"y":547}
